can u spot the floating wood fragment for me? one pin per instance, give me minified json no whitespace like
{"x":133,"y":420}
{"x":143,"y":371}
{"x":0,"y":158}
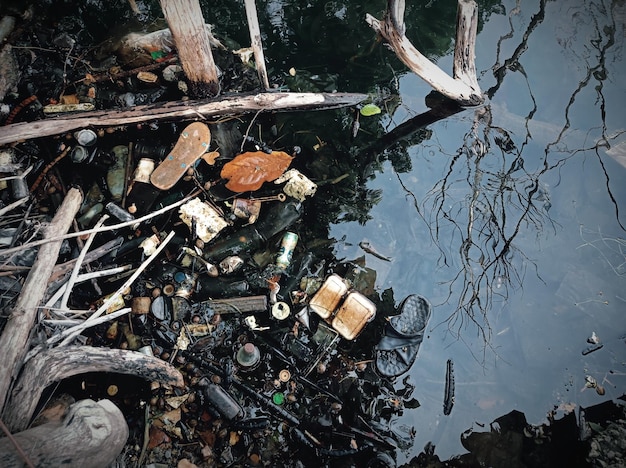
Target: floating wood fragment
{"x":192,"y":109}
{"x":56,"y":364}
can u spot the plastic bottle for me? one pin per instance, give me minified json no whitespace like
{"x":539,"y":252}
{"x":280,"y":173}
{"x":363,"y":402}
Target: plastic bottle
{"x":244,"y":241}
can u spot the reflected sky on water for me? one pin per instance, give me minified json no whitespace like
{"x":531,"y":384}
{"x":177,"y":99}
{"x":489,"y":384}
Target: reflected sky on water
{"x":511,"y":221}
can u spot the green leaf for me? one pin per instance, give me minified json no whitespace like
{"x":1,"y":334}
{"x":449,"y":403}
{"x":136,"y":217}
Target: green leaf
{"x":370,"y":109}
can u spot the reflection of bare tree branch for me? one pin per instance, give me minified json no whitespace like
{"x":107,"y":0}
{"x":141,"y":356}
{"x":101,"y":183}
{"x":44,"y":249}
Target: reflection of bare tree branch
{"x":439,"y":111}
{"x":512,"y":63}
{"x":602,"y":42}
{"x":502,"y":199}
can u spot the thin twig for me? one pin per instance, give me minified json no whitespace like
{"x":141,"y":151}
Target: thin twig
{"x":85,"y":277}
{"x":116,"y":294}
{"x":245,"y":137}
{"x":146,"y":435}
{"x":13,"y":205}
{"x":16,"y":444}
{"x":112,"y":227}
{"x":70,"y":333}
{"x":79,"y":262}
{"x":19,"y":176}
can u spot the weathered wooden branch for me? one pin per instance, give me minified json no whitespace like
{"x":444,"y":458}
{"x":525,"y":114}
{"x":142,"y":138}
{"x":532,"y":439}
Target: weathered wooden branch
{"x":463,"y":87}
{"x":257,"y":44}
{"x":92,"y":434}
{"x":56,"y":364}
{"x":230,"y":105}
{"x":14,"y":338}
{"x":186,"y":22}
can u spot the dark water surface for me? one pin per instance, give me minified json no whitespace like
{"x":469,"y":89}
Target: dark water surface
{"x":509,"y":218}
{"x":529,"y":184}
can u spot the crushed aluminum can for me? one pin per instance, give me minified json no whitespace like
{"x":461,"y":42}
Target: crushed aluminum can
{"x":287,"y":246}
{"x":207,"y":220}
{"x":230,"y":264}
{"x":246,"y":209}
{"x":298,"y":186}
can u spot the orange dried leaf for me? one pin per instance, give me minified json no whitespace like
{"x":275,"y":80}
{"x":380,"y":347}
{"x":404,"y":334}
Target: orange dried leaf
{"x":210,"y":157}
{"x":248,"y":171}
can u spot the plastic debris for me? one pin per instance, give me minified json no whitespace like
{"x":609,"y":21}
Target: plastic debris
{"x":206,"y":221}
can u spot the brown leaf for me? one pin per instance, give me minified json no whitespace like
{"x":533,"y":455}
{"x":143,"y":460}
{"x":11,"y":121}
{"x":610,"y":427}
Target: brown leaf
{"x":248,"y":171}
{"x":157,"y":437}
{"x":210,"y":157}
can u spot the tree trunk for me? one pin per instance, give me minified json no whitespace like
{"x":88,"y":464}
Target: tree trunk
{"x":186,"y":22}
{"x":463,"y":87}
{"x":257,"y":45}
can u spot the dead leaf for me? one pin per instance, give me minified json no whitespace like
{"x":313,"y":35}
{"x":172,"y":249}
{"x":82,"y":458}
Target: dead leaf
{"x":157,"y":437}
{"x":210,"y":157}
{"x":171,"y":417}
{"x":68,"y":99}
{"x":176,"y":401}
{"x":184,"y":463}
{"x":248,"y":171}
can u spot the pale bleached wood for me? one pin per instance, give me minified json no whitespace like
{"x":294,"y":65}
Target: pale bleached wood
{"x":463,"y":88}
{"x":257,"y":44}
{"x":186,"y":22}
{"x":91,"y":435}
{"x":14,"y":339}
{"x":56,"y":364}
{"x":464,"y":67}
{"x":176,"y":110}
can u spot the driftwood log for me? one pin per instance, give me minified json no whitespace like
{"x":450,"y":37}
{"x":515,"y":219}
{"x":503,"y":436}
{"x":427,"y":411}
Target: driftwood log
{"x":192,"y":109}
{"x":463,"y":86}
{"x":92,"y":434}
{"x":184,"y":17}
{"x":14,"y":339}
{"x":60,"y":363}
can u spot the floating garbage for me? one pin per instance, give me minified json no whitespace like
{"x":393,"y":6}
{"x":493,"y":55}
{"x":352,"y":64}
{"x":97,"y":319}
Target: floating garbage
{"x":275,"y":346}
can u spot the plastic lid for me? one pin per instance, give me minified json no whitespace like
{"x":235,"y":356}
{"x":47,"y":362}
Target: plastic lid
{"x":280,"y":311}
{"x":278,"y":398}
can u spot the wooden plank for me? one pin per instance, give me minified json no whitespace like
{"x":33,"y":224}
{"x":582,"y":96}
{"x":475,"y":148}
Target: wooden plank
{"x":186,"y":22}
{"x":92,"y":434}
{"x":14,"y":339}
{"x":56,"y":364}
{"x":192,"y":109}
{"x":257,"y":44}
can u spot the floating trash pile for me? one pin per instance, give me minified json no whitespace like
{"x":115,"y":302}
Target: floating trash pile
{"x":201,"y":260}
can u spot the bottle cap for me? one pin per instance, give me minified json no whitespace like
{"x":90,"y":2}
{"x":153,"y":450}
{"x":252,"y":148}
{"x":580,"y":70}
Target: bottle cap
{"x":280,"y":311}
{"x":278,"y":398}
{"x":248,"y":355}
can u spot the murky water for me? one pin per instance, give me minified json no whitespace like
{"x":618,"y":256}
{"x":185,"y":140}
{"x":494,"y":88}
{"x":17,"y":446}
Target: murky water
{"x":510,"y":218}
